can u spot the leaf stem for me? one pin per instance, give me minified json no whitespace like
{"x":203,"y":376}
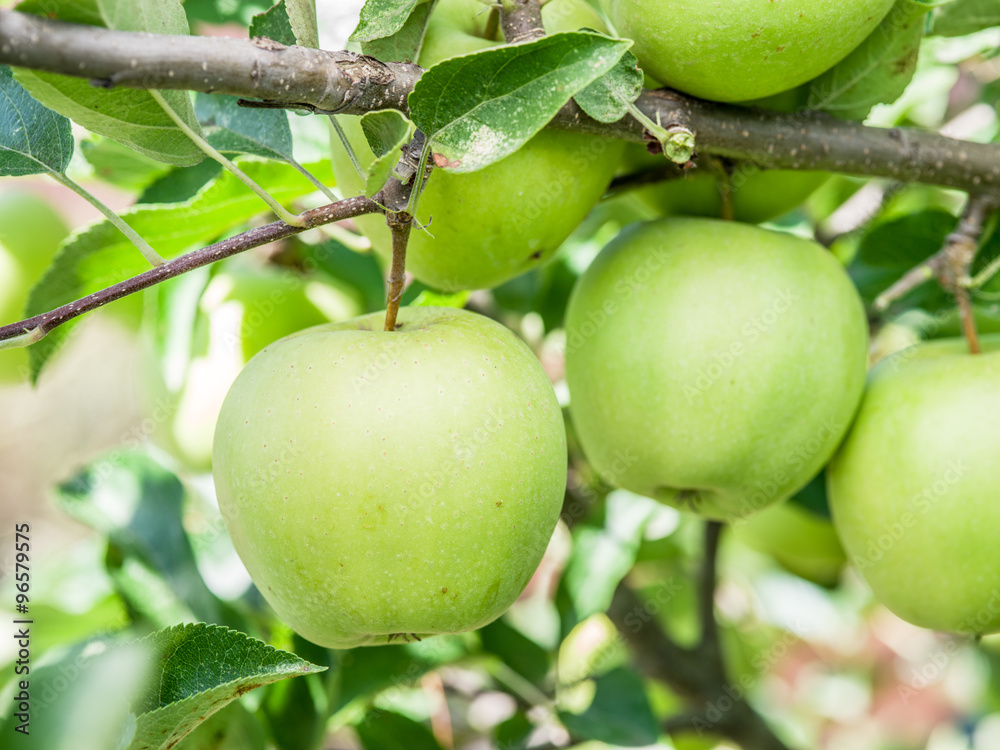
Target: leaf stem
{"x":280,"y":211}
{"x":154,"y":258}
{"x":313,"y":179}
{"x":339,"y":130}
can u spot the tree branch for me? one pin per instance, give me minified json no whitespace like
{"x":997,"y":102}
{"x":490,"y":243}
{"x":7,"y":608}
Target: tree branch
{"x":333,"y":82}
{"x":698,"y":674}
{"x":521,"y":20}
{"x":44,"y":323}
{"x":950,"y":266}
{"x":354,"y":84}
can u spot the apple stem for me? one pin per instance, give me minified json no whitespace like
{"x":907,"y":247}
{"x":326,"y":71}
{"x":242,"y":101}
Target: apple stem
{"x":706,"y":588}
{"x":400,"y":224}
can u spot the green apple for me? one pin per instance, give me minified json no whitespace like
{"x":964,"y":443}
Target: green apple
{"x":801,"y":541}
{"x":712,"y":365}
{"x":382,"y":486}
{"x":30,"y":233}
{"x":489,"y":226}
{"x":243,"y":309}
{"x":914,"y":489}
{"x":742,"y":49}
{"x":758,"y":194}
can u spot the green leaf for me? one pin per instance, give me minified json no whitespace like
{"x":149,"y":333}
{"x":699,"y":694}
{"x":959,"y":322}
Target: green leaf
{"x":121,"y":166}
{"x":232,"y":728}
{"x":274,"y":24}
{"x":608,"y":98}
{"x":601,"y":557}
{"x":154,"y":16}
{"x":517,"y":651}
{"x":138,"y":505}
{"x":302,"y":17}
{"x":879,"y":70}
{"x":73,"y":11}
{"x":33,"y":139}
{"x":405,"y":43}
{"x":619,"y":715}
{"x":99,"y":255}
{"x":383,"y":18}
{"x":197,"y":670}
{"x":131,"y":117}
{"x":181,"y":183}
{"x":892,"y":248}
{"x":961,"y":17}
{"x":233,"y":129}
{"x":478,"y":108}
{"x":387,"y":730}
{"x":386,"y":132}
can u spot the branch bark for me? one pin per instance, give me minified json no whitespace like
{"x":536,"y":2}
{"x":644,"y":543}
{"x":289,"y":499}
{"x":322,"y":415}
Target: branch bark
{"x":521,"y":20}
{"x":331,"y":82}
{"x":46,"y":322}
{"x":698,"y":674}
{"x":353,"y":84}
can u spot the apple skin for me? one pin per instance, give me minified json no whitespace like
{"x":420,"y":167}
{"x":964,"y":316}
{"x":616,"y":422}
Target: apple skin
{"x":499,"y":222}
{"x":31,"y":232}
{"x":712,"y":365}
{"x":913,"y":490}
{"x":383,"y":485}
{"x":742,"y":49}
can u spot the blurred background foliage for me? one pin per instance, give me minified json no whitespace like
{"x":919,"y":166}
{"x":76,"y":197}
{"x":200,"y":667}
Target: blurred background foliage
{"x":108,"y":460}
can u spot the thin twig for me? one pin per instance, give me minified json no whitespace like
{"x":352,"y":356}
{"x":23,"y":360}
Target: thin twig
{"x":706,"y":585}
{"x":400,"y":224}
{"x":39,"y":325}
{"x":950,"y":265}
{"x":960,"y":252}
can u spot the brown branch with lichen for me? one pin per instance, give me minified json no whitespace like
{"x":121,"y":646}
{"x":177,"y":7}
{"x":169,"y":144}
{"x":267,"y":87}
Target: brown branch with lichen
{"x":354,"y":84}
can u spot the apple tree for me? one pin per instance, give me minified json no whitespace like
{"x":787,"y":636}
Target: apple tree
{"x":500,"y":373}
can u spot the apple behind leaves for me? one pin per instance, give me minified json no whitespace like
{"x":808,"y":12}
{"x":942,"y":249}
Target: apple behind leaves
{"x":30,"y":233}
{"x":380,"y":486}
{"x":712,"y":365}
{"x":489,"y":226}
{"x":736,"y":50}
{"x":243,"y":309}
{"x":914,"y":490}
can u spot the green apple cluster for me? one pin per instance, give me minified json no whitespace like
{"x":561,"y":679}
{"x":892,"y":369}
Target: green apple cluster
{"x":30,"y":233}
{"x":914,"y":490}
{"x":725,"y":360}
{"x":382,"y":486}
{"x":485,"y":227}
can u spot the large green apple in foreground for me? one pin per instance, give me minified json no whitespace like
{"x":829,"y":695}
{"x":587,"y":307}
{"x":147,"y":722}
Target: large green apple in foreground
{"x":712,"y":365}
{"x":380,"y":486}
{"x":914,"y":489}
{"x":734,"y":50}
{"x":492,"y":225}
{"x":30,"y":233}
